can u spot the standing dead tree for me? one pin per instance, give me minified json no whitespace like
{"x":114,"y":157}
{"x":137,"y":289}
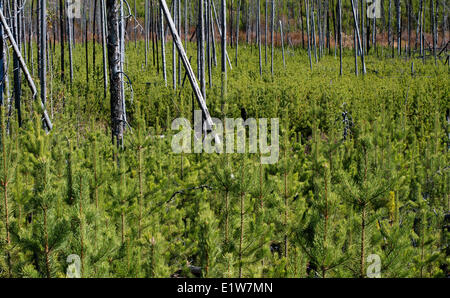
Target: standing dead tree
{"x":358,"y":37}
{"x":61,"y":36}
{"x":43,"y":51}
{"x":17,"y":76}
{"x":114,"y":59}
{"x":105,"y":63}
{"x":340,"y":36}
{"x":224,"y":51}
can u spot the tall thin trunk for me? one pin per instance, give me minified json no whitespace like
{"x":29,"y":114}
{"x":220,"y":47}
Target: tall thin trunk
{"x":313,"y":31}
{"x":307,"y":9}
{"x":266,"y":10}
{"x":104,"y":47}
{"x":399,"y":28}
{"x":86,"y":16}
{"x":69,"y":28}
{"x":163,"y":47}
{"x":433,"y":27}
{"x":258,"y":30}
{"x":122,"y":61}
{"x":146,"y":29}
{"x":282,"y":43}
{"x":43,"y":58}
{"x":363,"y":235}
{"x":358,"y":39}
{"x":272,"y":34}
{"x":241,"y":238}
{"x":208,"y":39}
{"x":174,"y":53}
{"x":17,"y":74}
{"x":81,"y":227}
{"x":46,"y":248}
{"x":237,"y":29}
{"x":408,"y":10}
{"x":61,"y":32}
{"x":390,"y":25}
{"x":94,"y":27}
{"x":224,"y":53}
{"x":302,"y":25}
{"x":179,"y":30}
{"x":114,"y":58}
{"x":201,"y":49}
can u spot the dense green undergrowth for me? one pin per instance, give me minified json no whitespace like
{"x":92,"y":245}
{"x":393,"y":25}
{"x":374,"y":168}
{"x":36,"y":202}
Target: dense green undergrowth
{"x":145,"y":211}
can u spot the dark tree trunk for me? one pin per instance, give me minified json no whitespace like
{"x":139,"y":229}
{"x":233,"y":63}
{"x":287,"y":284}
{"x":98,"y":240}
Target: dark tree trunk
{"x":115,"y":88}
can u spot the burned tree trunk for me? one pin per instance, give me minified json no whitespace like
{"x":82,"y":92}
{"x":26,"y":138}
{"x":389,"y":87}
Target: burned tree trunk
{"x":114,"y":58}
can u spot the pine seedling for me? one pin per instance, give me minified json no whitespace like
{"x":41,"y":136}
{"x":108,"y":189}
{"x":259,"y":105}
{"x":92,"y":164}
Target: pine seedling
{"x":364,"y":189}
{"x":49,"y":231}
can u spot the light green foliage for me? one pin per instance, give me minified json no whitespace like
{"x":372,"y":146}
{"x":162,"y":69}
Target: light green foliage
{"x":143,"y":211}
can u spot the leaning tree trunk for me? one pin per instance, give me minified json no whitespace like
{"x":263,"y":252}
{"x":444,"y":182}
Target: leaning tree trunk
{"x":307,"y":32}
{"x":112,"y":8}
{"x":358,"y":38}
{"x":433,"y":27}
{"x":266,"y":10}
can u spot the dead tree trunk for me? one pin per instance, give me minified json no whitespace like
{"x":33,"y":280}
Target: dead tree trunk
{"x":24,"y":68}
{"x":358,"y":39}
{"x":43,"y":51}
{"x":224,"y":52}
{"x":307,"y":9}
{"x":114,"y":59}
{"x":190,"y":73}
{"x":17,"y":75}
{"x":272,"y":34}
{"x":61,"y":38}
{"x":258,"y":30}
{"x":103,"y":25}
{"x":70,"y":29}
{"x":340,"y":36}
